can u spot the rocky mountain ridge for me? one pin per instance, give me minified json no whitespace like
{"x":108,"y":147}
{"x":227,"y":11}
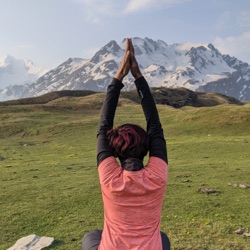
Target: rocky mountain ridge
{"x":198,"y":67}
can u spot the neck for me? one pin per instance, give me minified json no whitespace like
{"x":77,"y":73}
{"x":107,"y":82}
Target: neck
{"x":132,"y":164}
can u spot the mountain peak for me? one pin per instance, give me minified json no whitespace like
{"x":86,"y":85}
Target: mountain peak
{"x":7,"y":59}
{"x":111,"y":48}
{"x":18,"y":72}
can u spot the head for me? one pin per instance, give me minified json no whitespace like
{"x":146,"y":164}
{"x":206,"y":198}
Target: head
{"x":128,"y":141}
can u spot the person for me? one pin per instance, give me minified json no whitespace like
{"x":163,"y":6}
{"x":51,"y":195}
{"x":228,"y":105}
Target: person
{"x":132,"y":193}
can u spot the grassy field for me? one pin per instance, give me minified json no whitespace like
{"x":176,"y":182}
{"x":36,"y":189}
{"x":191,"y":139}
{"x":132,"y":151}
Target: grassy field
{"x":49,"y":182}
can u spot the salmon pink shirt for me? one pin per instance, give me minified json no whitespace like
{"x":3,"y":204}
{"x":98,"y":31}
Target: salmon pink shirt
{"x":132,"y":205}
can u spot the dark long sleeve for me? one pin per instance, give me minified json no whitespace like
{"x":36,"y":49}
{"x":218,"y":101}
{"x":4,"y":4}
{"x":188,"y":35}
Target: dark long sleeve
{"x":107,"y":120}
{"x":157,"y":143}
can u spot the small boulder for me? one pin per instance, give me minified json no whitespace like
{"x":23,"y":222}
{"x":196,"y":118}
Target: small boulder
{"x":239,"y":231}
{"x":247,"y":234}
{"x":232,"y":184}
{"x":244,"y":185}
{"x":32,"y":242}
{"x":208,"y":191}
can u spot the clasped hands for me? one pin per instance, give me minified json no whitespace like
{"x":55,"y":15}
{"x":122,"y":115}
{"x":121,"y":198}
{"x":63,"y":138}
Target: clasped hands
{"x":128,"y":63}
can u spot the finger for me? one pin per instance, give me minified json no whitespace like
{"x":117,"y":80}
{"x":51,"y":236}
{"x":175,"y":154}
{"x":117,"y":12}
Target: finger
{"x":133,"y":59}
{"x":131,"y":46}
{"x":127,"y":45}
{"x":127,"y":57}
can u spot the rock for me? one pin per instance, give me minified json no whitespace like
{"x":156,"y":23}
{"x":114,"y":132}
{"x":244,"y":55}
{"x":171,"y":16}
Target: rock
{"x":232,"y":184}
{"x":1,"y":158}
{"x":208,"y":191}
{"x":32,"y":242}
{"x":187,"y":180}
{"x":27,"y":144}
{"x":244,"y":185}
{"x":239,"y":231}
{"x":247,"y":234}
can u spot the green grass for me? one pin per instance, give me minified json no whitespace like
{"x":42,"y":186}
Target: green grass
{"x":49,"y":182}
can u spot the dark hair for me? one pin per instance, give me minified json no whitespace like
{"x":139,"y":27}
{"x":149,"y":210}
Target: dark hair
{"x":128,"y":141}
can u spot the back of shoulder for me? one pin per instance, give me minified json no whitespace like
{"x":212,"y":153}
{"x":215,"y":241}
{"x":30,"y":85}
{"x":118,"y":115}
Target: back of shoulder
{"x":107,"y":169}
{"x":158,"y":167}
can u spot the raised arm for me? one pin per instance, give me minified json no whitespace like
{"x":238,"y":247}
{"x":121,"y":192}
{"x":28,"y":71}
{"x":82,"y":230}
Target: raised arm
{"x":109,"y":108}
{"x":157,"y":143}
{"x":106,"y":120}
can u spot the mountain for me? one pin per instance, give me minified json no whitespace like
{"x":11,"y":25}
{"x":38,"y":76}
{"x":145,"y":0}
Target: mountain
{"x":16,"y":75}
{"x":59,"y":78}
{"x":198,"y":67}
{"x":236,"y":84}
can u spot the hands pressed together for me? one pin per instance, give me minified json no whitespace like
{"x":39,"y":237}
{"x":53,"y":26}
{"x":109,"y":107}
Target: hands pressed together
{"x":128,"y":63}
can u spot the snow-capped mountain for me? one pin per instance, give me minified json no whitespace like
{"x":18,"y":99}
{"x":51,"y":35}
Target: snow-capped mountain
{"x":236,"y":84}
{"x":57,"y":79}
{"x":78,"y":74}
{"x":199,"y":67}
{"x":16,"y":75}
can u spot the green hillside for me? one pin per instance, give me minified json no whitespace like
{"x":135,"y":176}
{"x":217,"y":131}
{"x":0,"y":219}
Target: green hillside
{"x":49,"y":182}
{"x":174,"y":97}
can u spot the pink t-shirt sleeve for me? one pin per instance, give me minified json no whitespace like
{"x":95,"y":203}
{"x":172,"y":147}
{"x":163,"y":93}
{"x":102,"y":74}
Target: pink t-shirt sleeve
{"x":107,"y":169}
{"x":158,"y":167}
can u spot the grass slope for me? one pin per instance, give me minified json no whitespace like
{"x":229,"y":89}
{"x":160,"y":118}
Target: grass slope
{"x":49,"y":182}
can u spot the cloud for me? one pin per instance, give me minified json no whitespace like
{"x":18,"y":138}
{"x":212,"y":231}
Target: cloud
{"x":138,"y":5}
{"x":134,"y":6}
{"x":223,"y":21}
{"x":229,"y":20}
{"x":237,"y":46}
{"x":244,"y":19}
{"x":96,"y":10}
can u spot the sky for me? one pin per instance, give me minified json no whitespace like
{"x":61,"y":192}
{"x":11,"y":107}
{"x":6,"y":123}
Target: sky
{"x":48,"y":32}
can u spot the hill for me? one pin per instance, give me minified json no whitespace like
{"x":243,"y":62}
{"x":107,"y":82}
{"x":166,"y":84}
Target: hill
{"x":177,"y":98}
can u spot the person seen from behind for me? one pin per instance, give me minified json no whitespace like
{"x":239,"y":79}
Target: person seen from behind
{"x":132,"y":193}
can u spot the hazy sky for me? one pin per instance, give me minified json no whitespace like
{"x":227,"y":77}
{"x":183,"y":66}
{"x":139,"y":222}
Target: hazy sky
{"x":48,"y":32}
